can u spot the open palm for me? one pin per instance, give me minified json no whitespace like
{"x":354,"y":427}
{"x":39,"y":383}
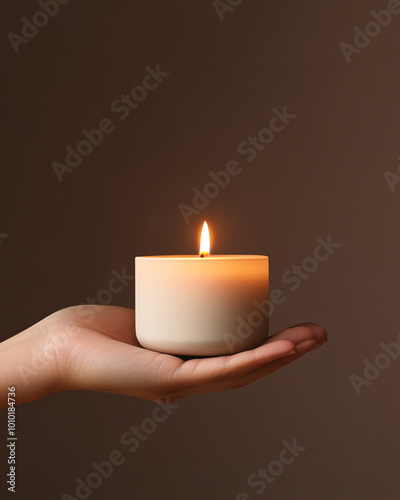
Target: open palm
{"x":103,"y":354}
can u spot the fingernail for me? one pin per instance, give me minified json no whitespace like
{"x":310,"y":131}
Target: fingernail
{"x":290,"y":353}
{"x":306,"y":346}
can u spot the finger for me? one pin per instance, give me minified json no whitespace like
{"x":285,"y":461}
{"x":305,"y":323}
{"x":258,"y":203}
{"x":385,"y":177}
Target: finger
{"x":304,"y":323}
{"x":301,"y":349}
{"x":219,"y":369}
{"x":250,"y":377}
{"x":205,"y":371}
{"x":300,"y":333}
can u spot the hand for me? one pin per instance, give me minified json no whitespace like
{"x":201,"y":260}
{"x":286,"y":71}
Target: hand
{"x":95,"y":348}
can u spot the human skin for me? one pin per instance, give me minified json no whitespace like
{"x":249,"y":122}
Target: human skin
{"x":95,"y":348}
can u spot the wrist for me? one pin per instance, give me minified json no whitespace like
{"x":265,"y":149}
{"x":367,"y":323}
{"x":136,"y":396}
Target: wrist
{"x":33,"y":362}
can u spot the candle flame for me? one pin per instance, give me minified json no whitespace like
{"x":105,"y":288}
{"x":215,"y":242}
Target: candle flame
{"x":205,"y":241}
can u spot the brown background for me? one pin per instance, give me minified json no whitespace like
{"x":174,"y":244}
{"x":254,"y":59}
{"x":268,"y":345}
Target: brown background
{"x":324,"y":175}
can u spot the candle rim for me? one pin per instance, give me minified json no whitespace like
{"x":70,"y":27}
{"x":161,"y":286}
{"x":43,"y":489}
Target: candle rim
{"x":205,"y":259}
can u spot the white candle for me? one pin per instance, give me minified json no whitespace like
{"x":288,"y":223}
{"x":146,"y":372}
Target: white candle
{"x":201,"y":305}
